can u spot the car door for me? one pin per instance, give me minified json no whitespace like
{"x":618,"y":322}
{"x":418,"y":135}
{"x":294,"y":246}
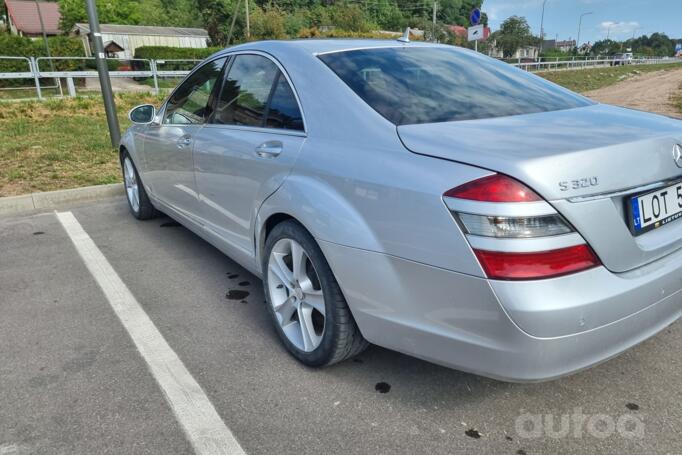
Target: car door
{"x":247,"y":148}
{"x":168,"y":142}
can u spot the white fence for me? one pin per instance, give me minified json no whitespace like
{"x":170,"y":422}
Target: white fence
{"x":38,"y":70}
{"x":559,"y":65}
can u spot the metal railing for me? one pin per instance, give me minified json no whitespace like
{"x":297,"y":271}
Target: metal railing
{"x":70,"y":68}
{"x":140,"y":70}
{"x":562,"y":65}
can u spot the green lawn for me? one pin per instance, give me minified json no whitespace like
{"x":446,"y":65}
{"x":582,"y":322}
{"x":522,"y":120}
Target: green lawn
{"x":591,"y":79}
{"x":60,"y":143}
{"x":677,"y":100}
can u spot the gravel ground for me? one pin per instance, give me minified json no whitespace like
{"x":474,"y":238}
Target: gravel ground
{"x":651,"y":92}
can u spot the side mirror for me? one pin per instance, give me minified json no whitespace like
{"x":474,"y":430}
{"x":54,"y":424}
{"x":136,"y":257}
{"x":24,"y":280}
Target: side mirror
{"x":142,"y":115}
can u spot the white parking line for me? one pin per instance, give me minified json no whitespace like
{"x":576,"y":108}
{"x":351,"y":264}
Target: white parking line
{"x":204,"y":428}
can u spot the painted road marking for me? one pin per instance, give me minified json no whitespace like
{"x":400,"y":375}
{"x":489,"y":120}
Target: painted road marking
{"x":204,"y":428}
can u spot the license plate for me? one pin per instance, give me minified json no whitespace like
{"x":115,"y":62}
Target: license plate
{"x":658,"y":208}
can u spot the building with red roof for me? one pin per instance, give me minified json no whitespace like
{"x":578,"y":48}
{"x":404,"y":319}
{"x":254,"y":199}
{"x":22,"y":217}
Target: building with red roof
{"x":24,"y":20}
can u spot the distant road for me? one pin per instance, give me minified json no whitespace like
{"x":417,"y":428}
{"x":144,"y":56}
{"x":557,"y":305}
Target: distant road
{"x":651,"y":92}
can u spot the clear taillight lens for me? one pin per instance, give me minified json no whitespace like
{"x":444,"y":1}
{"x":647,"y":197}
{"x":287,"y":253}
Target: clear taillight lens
{"x":514,"y":227}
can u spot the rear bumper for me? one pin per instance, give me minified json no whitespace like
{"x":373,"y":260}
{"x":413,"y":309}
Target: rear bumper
{"x":468,"y":323}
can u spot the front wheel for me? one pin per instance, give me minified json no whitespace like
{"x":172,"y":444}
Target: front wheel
{"x":310,"y":314}
{"x":138,"y":200}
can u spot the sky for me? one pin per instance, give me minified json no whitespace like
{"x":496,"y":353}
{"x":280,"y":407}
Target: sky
{"x":621,"y":17}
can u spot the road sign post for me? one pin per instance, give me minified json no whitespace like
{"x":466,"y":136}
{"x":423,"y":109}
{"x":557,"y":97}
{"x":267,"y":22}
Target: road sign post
{"x":476,"y":31}
{"x":475,"y":34}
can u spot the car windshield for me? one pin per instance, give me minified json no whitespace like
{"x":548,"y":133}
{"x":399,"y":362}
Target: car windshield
{"x":412,"y":85}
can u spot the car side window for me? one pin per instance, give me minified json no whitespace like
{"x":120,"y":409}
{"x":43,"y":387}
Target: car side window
{"x":191,"y":102}
{"x":283,"y":111}
{"x":246,"y":90}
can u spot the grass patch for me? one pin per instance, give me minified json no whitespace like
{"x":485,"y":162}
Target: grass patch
{"x":592,"y":79}
{"x":677,"y":100}
{"x":60,"y":143}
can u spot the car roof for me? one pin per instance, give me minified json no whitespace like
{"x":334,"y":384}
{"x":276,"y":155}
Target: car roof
{"x":320,"y":46}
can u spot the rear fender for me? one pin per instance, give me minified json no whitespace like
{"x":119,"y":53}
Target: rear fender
{"x":323,"y":211}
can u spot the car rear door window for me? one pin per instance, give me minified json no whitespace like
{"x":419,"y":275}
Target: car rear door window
{"x":283,"y":111}
{"x":244,"y":97}
{"x":191,"y":102}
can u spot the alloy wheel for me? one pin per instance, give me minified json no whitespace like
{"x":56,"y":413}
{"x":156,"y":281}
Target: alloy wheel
{"x":296,"y":295}
{"x":132,"y":189}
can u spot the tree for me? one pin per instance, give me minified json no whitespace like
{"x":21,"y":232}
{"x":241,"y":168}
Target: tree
{"x":110,"y":12}
{"x":268,"y":23}
{"x":513,"y":34}
{"x":216,"y":18}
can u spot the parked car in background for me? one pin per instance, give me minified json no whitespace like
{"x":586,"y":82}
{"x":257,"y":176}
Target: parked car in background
{"x":623,"y":59}
{"x":424,"y":198}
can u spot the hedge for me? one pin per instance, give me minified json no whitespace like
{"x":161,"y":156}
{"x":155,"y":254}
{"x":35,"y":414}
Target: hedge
{"x":20,"y":46}
{"x":174,"y":53}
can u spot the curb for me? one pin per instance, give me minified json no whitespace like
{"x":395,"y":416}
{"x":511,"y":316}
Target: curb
{"x":51,"y":199}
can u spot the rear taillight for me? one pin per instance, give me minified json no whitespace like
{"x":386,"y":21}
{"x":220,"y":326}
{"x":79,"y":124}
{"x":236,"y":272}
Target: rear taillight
{"x":494,"y":188}
{"x":541,"y":264}
{"x":515,"y":234}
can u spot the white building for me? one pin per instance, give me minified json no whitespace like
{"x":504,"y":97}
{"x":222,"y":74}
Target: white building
{"x":122,"y":40}
{"x":524,"y":53}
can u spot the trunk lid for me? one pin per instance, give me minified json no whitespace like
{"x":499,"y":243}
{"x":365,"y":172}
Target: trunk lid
{"x":587,"y":162}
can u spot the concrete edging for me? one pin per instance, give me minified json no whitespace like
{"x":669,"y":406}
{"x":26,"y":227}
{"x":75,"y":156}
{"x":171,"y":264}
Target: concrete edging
{"x":51,"y":199}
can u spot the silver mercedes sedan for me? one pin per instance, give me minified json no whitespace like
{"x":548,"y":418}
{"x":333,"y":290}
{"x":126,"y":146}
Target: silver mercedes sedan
{"x":423,"y":198}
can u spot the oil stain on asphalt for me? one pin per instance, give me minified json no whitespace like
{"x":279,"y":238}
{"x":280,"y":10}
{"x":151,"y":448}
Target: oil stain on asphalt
{"x":232,"y":276}
{"x":473,"y":433}
{"x":236,"y":294}
{"x":382,"y":387}
{"x":632,"y":406}
{"x":244,"y":283}
{"x":38,"y":233}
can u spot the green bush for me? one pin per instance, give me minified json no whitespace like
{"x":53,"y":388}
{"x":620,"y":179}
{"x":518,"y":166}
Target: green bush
{"x":268,"y":23}
{"x":174,"y":53}
{"x":19,"y":46}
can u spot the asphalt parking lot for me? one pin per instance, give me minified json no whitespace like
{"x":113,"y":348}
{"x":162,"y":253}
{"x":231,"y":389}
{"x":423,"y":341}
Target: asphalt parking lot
{"x":73,"y":381}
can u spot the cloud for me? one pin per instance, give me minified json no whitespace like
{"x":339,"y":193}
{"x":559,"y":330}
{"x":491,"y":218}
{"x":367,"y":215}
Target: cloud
{"x":618,"y":28}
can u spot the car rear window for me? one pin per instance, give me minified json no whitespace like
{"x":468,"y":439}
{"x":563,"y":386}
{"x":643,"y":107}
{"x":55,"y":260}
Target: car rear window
{"x":411,"y":85}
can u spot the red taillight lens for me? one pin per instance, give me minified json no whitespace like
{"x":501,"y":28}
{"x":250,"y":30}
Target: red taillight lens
{"x":545,"y":264}
{"x":494,"y":188}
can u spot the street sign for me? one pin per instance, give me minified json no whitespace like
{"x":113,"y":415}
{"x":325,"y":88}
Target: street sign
{"x":475,"y":16}
{"x":476,"y":33}
{"x":678,"y":47}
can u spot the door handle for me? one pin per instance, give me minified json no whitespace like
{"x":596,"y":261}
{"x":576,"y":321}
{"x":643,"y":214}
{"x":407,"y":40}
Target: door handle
{"x":269,"y":149}
{"x":184,"y":141}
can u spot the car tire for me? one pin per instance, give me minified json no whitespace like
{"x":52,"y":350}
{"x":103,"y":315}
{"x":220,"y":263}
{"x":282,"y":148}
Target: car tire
{"x":138,"y":201}
{"x":311,"y":287}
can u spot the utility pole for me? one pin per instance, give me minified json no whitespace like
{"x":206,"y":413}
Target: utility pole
{"x":580,"y":26}
{"x":234,"y":19}
{"x":248,"y":27}
{"x":103,"y":72}
{"x":435,"y":10}
{"x":542,"y":27}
